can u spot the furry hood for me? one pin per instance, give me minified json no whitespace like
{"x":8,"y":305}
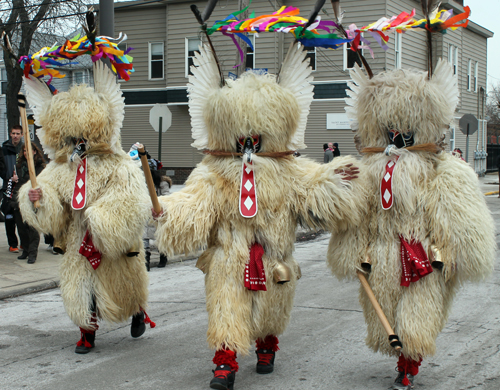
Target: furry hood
{"x":406,"y":101}
{"x":275,"y":108}
{"x":94,"y":114}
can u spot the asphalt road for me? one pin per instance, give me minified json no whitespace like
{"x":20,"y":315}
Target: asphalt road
{"x":323,"y":348}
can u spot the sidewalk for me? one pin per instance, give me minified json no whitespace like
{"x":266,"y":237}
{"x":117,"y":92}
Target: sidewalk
{"x":17,"y":277}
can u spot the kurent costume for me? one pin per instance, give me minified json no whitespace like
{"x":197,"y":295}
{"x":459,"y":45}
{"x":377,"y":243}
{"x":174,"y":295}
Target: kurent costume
{"x":94,"y":201}
{"x":426,"y":228}
{"x":245,"y":210}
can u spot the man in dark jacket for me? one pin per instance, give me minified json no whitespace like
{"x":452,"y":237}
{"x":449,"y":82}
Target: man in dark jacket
{"x":10,"y":149}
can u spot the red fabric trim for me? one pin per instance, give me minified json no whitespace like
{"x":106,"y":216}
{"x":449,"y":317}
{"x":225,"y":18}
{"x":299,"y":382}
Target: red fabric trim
{"x":88,"y":250}
{"x":414,"y":262}
{"x":255,"y":275}
{"x":226,"y":357}
{"x":147,"y":320}
{"x":270,"y":342}
{"x":408,"y":366}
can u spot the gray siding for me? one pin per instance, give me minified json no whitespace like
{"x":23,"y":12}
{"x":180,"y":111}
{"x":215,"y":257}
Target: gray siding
{"x":176,"y":141}
{"x":317,"y":134}
{"x":142,"y":25}
{"x":172,"y":21}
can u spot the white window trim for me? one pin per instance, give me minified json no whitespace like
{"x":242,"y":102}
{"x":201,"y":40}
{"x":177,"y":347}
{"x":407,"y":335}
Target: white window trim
{"x":85,"y":76}
{"x":149,"y":60}
{"x":344,"y":55}
{"x":469,"y":75}
{"x":398,"y":50}
{"x":186,"y":54}
{"x":452,"y":138}
{"x":476,"y":70}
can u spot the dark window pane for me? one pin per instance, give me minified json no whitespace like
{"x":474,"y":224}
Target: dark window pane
{"x":249,"y":61}
{"x":312,"y":59}
{"x":156,"y":69}
{"x":157,"y":57}
{"x":353,"y":58}
{"x":190,"y":62}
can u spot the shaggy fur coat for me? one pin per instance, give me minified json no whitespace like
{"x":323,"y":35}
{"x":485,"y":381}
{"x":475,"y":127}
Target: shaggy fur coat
{"x":117,"y":202}
{"x":437,"y":200}
{"x":289,"y":191}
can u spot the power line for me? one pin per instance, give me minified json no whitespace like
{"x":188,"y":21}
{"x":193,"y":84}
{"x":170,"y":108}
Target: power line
{"x":48,"y":18}
{"x":35,"y":5}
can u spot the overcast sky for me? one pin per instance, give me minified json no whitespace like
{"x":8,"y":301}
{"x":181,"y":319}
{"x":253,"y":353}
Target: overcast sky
{"x":486,"y":13}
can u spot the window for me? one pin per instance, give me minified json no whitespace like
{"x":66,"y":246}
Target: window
{"x":3,"y":81}
{"x":79,"y":77}
{"x":250,"y":57}
{"x":476,"y":66}
{"x":398,"y":44}
{"x":155,"y":60}
{"x":351,"y":57}
{"x":453,"y":58}
{"x":192,"y":45}
{"x":469,"y":75}
{"x":452,"y":139}
{"x":311,"y":54}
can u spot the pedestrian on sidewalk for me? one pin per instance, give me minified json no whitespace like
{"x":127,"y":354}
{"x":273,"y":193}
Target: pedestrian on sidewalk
{"x":30,"y":237}
{"x":10,"y":149}
{"x":498,"y":167}
{"x":328,"y":152}
{"x":162,"y":184}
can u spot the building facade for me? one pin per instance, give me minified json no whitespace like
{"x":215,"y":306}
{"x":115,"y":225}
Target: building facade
{"x":164,"y":35}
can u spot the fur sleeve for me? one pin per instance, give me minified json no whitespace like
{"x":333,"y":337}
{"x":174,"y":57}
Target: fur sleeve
{"x":460,"y":223}
{"x":328,"y":202}
{"x":116,"y":220}
{"x":49,"y":218}
{"x":188,"y":215}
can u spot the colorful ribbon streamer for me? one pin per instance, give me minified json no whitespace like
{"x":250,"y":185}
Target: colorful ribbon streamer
{"x":287,"y":20}
{"x":43,"y":62}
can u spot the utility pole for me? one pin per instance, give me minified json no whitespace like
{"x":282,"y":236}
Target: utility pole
{"x":241,"y":69}
{"x":106,"y":18}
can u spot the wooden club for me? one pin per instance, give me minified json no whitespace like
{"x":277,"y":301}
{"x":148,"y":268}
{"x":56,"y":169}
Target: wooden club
{"x":21,"y":102}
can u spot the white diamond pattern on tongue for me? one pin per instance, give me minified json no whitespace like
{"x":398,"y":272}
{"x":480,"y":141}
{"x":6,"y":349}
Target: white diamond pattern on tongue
{"x":248,"y":191}
{"x":80,"y":190}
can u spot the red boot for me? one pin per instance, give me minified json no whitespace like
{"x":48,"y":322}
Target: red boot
{"x":266,"y":352}
{"x":225,"y":372}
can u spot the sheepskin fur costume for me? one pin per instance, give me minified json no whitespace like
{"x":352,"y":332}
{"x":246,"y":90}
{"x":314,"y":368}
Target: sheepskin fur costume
{"x":117,"y":201}
{"x":289,"y":191}
{"x":436,"y":201}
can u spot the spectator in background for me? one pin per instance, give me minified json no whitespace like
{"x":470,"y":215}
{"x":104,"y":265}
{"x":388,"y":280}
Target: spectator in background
{"x":30,"y":238}
{"x":458,"y":153}
{"x":498,"y":166}
{"x":336,"y":151}
{"x":10,"y":149}
{"x":328,"y":150}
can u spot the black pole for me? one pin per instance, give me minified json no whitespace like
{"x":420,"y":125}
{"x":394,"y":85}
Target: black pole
{"x":106,"y":18}
{"x":159,"y":139}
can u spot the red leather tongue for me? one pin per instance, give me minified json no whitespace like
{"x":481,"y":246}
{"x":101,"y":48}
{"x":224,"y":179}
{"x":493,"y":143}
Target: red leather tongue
{"x":80,"y":191}
{"x":386,"y":195}
{"x":248,"y":191}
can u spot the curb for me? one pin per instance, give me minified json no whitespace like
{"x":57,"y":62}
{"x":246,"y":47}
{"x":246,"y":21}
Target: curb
{"x":301,"y":236}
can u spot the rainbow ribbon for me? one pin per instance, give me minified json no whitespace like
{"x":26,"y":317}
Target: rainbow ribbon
{"x":287,"y":20}
{"x":43,"y":62}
